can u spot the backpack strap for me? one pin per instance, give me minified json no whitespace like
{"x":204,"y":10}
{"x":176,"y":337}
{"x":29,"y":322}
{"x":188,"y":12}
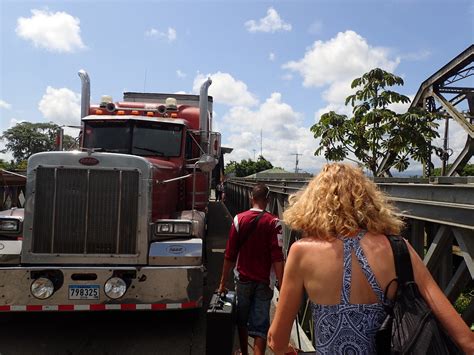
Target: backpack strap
{"x":250,"y":230}
{"x":401,"y":256}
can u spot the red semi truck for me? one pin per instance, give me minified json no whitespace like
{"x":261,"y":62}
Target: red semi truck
{"x":120,"y":223}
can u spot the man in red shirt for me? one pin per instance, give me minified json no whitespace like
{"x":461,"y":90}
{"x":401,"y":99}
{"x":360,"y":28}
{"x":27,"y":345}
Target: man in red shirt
{"x":254,"y":244}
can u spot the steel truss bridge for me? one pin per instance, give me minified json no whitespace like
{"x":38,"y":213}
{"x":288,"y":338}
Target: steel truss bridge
{"x":447,"y":93}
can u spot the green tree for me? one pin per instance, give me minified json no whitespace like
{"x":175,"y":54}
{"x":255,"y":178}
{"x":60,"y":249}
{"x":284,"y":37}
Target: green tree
{"x":248,"y":167}
{"x":27,"y":138}
{"x":376,"y":136}
{"x":468,"y":170}
{"x":230,"y":167}
{"x":4,"y":164}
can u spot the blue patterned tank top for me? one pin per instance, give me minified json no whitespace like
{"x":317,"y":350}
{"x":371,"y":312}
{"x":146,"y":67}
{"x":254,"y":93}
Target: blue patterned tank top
{"x":347,"y":328}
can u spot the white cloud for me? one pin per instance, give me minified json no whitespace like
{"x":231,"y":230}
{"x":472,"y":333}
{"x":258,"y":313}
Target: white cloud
{"x":170,"y":34}
{"x":5,"y":105}
{"x":269,"y":24}
{"x":287,"y":76}
{"x":333,"y":64}
{"x":282,"y":130}
{"x":152,"y":32}
{"x":341,"y":58}
{"x":56,"y":32}
{"x":61,"y":106}
{"x":226,"y":89}
{"x":180,"y":74}
{"x":271,"y":56}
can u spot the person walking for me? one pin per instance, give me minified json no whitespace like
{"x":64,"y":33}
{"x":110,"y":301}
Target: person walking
{"x":254,"y":244}
{"x":219,"y":190}
{"x":344,"y":262}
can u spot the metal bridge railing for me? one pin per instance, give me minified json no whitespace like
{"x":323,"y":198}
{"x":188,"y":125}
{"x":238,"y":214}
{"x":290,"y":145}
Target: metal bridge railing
{"x":439,"y":216}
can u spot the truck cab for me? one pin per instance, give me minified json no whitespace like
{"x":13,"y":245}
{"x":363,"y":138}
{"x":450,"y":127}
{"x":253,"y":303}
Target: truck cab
{"x":119,"y":224}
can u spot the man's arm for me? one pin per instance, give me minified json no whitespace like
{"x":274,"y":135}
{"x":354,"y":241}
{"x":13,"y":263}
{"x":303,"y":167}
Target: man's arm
{"x":278,"y":267}
{"x":226,"y":268}
{"x":230,"y":256}
{"x":278,"y":262}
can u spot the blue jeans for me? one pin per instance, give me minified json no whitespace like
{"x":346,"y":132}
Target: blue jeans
{"x":253,"y":307}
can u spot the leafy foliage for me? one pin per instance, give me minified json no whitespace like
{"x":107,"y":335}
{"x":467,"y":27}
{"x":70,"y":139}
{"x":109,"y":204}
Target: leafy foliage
{"x":248,"y":167}
{"x":468,"y":170}
{"x":27,"y":138}
{"x":376,"y":136}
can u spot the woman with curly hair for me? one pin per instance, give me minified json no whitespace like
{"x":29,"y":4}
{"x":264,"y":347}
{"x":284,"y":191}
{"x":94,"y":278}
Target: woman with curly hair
{"x":344,"y":262}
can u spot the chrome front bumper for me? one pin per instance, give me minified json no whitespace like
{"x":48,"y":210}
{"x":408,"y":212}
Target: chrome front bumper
{"x":151,"y":288}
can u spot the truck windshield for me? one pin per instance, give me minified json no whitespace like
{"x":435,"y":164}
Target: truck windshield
{"x":134,"y":137}
{"x":155,"y":138}
{"x":108,"y":136}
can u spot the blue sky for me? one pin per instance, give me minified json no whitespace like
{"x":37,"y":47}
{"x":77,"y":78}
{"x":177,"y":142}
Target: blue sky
{"x":276,"y":65}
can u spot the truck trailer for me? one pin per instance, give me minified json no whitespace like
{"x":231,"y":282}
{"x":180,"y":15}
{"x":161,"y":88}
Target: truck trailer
{"x":119,"y":224}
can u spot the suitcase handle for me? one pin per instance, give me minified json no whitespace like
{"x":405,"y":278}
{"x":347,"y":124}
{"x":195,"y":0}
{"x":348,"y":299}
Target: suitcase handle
{"x":220,"y":300}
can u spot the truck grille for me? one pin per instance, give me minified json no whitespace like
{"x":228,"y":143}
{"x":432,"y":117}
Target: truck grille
{"x":85,"y":211}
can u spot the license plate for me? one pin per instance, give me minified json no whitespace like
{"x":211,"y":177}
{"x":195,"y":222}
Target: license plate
{"x":83,"y":292}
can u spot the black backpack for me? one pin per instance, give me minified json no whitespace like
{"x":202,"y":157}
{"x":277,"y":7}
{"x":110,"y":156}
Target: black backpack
{"x":410,"y":326}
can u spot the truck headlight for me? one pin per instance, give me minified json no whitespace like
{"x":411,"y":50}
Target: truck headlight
{"x":173,"y":228}
{"x":115,"y":287}
{"x":164,"y":228}
{"x":182,"y":228}
{"x":42,"y":288}
{"x":9,"y":225}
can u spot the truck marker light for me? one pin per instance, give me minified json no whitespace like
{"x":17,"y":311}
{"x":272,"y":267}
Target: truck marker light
{"x":174,"y":115}
{"x":120,"y":112}
{"x":99,"y":112}
{"x":134,"y":112}
{"x":150,"y":114}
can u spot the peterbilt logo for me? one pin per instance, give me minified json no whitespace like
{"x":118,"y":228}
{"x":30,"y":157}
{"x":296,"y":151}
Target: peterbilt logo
{"x":2,"y":246}
{"x":88,"y":161}
{"x":176,"y":249}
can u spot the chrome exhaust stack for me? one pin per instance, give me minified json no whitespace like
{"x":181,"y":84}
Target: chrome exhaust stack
{"x":204,"y":115}
{"x":85,"y":92}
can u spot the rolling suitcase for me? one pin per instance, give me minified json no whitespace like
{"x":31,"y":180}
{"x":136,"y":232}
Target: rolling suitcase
{"x":220,"y":319}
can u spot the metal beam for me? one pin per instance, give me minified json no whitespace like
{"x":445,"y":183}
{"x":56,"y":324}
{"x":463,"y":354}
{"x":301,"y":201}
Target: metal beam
{"x":458,"y":282}
{"x":466,"y":243}
{"x":455,"y":114}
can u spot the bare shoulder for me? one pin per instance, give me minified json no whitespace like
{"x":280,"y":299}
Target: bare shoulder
{"x":377,"y":240}
{"x":309,"y":245}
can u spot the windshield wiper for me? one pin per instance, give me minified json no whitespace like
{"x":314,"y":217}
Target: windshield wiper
{"x":107,"y":150}
{"x":150,"y":150}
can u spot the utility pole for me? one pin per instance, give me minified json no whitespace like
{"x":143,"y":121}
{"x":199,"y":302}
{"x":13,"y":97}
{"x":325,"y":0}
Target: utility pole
{"x":296,"y":162}
{"x":261,"y":144}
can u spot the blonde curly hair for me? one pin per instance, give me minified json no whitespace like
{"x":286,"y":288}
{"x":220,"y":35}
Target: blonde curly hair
{"x":339,"y":201}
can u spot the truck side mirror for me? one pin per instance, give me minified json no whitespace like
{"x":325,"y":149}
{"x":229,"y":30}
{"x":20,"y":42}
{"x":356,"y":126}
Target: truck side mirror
{"x":206,"y":163}
{"x":215,"y":145}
